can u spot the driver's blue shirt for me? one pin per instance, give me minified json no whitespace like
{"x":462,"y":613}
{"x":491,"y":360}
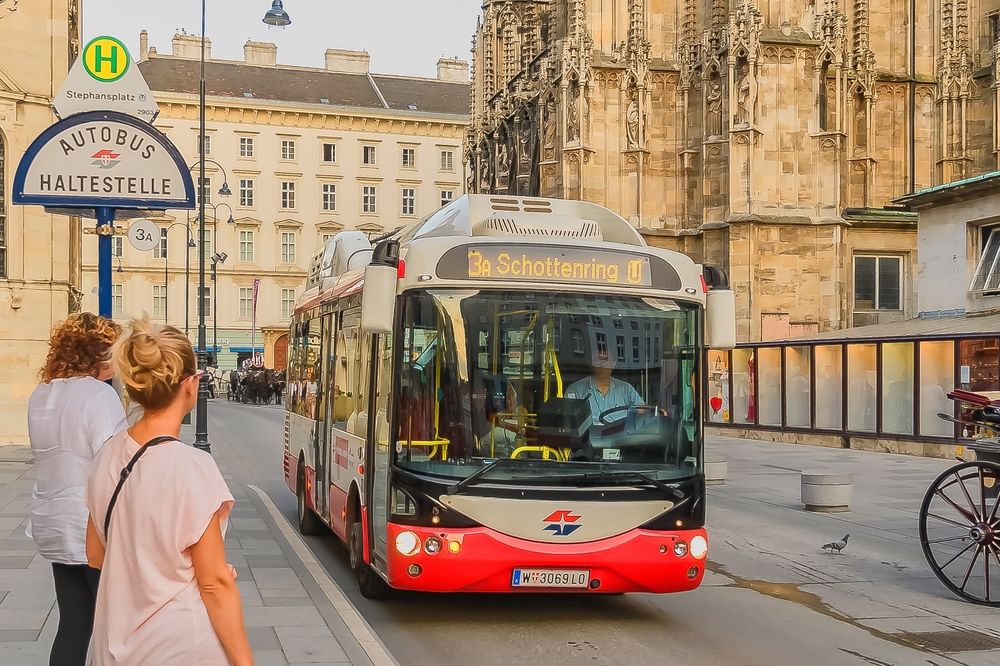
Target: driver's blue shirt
{"x":620,"y":394}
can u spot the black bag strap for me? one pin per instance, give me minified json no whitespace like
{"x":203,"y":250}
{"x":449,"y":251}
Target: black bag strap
{"x":126,"y":471}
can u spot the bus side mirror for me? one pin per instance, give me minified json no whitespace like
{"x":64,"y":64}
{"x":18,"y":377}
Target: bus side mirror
{"x":720,"y":319}
{"x":378,"y":294}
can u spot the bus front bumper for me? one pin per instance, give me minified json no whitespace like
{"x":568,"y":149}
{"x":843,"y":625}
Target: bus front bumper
{"x":483,"y":560}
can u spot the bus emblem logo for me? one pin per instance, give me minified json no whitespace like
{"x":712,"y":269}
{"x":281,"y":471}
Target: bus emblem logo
{"x":562,"y":523}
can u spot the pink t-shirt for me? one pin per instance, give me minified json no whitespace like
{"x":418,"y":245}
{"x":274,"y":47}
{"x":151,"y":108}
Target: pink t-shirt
{"x":149,"y":609}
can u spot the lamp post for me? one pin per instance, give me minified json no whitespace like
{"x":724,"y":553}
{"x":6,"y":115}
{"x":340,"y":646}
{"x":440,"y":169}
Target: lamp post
{"x":166,"y":266}
{"x":217,"y":258}
{"x":277,"y":17}
{"x":215,"y":241}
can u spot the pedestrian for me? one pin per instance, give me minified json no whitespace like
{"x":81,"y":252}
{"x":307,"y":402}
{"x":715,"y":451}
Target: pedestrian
{"x":158,"y":516}
{"x":71,"y":414}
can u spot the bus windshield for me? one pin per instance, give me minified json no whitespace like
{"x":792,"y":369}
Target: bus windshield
{"x":594,"y":382}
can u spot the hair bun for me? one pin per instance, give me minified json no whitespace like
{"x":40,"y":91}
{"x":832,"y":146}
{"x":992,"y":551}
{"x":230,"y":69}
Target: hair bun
{"x":152,"y":361}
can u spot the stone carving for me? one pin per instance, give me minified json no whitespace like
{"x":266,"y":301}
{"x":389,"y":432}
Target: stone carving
{"x":549,"y":124}
{"x":75,"y":300}
{"x":632,"y":124}
{"x":747,"y":88}
{"x":713,"y":102}
{"x":573,"y":123}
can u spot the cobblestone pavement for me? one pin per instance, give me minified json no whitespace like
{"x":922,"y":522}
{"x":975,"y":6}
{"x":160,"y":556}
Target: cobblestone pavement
{"x":293,"y":615}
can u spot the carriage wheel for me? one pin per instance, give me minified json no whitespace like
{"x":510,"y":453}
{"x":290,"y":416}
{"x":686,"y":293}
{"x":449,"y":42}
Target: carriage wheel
{"x":960,"y":531}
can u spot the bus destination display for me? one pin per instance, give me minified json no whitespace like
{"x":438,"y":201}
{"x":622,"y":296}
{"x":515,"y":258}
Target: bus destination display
{"x":546,"y":264}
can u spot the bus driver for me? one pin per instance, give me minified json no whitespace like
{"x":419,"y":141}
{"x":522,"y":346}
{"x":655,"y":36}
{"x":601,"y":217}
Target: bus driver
{"x":603,"y":391}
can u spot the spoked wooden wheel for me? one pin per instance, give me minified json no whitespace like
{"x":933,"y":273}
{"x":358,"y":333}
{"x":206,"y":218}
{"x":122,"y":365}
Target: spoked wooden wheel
{"x":960,"y":531}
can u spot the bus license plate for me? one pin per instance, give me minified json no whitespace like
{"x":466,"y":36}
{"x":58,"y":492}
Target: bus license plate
{"x":550,"y":578}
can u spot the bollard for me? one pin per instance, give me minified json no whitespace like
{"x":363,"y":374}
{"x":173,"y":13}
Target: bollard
{"x":826,"y":491}
{"x":715,"y":470}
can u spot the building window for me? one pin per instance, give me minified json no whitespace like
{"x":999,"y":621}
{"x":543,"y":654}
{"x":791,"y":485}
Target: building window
{"x":206,"y":241}
{"x":287,"y":194}
{"x":409,"y":159}
{"x":246,"y":192}
{"x":329,"y":153}
{"x":206,"y":299}
{"x":287,"y":303}
{"x":3,"y":209}
{"x":287,"y":149}
{"x":327,"y":238}
{"x":635,"y":349}
{"x":620,"y":346}
{"x":994,"y":27}
{"x":116,"y":246}
{"x":447,"y":160}
{"x":117,"y":300}
{"x":159,"y":300}
{"x":577,"y":337}
{"x":208,"y":145}
{"x":246,"y":146}
{"x":246,"y":246}
{"x":368,"y":155}
{"x":602,"y":344}
{"x":447,"y":196}
{"x":987,"y":278}
{"x":288,"y":247}
{"x":329,"y":197}
{"x":368,"y":199}
{"x":246,"y":302}
{"x":205,"y":190}
{"x":160,"y":251}
{"x":878,"y":283}
{"x":409,"y":201}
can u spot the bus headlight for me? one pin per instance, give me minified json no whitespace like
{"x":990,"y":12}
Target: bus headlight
{"x":407,"y":543}
{"x":699,"y":547}
{"x":680,"y":548}
{"x":432,"y":545}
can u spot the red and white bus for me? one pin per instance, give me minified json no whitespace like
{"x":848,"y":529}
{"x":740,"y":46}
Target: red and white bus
{"x":504,"y":397}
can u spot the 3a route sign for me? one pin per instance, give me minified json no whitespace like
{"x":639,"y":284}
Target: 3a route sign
{"x":143,"y":235}
{"x":105,"y":78}
{"x":106,"y":59}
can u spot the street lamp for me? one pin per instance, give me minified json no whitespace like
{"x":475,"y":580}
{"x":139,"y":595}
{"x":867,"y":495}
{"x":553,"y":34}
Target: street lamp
{"x":278,"y":18}
{"x":166,"y":266}
{"x":217,"y":258}
{"x":187,"y":258}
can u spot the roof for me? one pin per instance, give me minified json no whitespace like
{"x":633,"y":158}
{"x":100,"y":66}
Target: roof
{"x":910,"y":329}
{"x":973,"y":185}
{"x":307,"y":86}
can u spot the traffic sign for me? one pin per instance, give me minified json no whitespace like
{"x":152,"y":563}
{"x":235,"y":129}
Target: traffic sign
{"x":143,"y":235}
{"x":104,"y":77}
{"x":103,"y":159}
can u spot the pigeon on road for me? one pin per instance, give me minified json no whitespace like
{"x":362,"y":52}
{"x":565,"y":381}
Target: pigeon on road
{"x":837,"y":545}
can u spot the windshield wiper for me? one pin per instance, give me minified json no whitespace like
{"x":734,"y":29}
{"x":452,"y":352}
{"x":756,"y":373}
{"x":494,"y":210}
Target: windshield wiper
{"x":672,"y":489}
{"x":475,"y":476}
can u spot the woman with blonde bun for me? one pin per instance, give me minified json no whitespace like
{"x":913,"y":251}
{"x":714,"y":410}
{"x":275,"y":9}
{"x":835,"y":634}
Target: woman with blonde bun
{"x":71,"y":414}
{"x":158,"y":515}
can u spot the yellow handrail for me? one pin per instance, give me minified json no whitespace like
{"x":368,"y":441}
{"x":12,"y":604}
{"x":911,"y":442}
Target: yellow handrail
{"x":438,"y":445}
{"x":544,"y":450}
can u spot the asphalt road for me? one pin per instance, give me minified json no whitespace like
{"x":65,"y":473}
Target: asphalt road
{"x":726,"y":621}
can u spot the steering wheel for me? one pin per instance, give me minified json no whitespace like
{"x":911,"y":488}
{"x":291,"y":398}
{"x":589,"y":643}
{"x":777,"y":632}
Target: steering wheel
{"x":602,"y":419}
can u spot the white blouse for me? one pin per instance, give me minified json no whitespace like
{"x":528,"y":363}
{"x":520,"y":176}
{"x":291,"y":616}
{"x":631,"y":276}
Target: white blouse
{"x":69,"y":420}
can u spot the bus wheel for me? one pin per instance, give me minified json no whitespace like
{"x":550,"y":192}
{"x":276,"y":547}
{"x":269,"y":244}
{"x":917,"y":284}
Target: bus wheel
{"x":309,"y":522}
{"x":372,"y":585}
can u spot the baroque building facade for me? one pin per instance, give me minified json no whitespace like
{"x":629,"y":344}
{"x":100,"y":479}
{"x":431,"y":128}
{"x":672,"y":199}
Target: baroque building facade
{"x":293,"y":156}
{"x":766,"y":137}
{"x":39,"y":252}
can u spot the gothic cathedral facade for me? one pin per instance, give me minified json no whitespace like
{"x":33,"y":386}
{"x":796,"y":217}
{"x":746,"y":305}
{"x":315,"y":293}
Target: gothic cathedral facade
{"x":768,"y":137}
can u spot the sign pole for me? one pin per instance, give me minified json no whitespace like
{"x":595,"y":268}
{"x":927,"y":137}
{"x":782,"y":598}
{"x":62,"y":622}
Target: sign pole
{"x":105,"y":227}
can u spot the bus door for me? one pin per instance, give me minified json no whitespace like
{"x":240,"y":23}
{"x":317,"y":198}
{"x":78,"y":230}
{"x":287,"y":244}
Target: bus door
{"x":322,"y":441}
{"x":379,"y":437}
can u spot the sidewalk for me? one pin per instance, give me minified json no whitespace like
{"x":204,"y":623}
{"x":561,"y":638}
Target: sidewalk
{"x":292,"y":614}
{"x":762,"y":539}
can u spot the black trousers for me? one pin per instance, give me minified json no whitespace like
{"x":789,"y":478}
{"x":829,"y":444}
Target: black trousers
{"x":76,"y":595}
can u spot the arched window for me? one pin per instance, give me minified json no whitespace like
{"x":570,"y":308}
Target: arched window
{"x":3,"y":208}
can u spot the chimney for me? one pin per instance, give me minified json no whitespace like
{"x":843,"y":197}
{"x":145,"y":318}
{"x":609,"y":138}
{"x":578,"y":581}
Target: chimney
{"x":143,"y":45}
{"x":453,"y":69}
{"x":189,"y":46}
{"x":260,"y":53}
{"x":347,"y":62}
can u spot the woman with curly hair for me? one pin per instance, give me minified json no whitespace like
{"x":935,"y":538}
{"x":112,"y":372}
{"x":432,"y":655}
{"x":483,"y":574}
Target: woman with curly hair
{"x":71,"y":414}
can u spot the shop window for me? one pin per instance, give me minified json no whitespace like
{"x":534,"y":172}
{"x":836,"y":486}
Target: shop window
{"x":862,"y":395}
{"x":878,"y":283}
{"x":797,"y":387}
{"x":769,"y":386}
{"x":829,"y":387}
{"x":744,"y":401}
{"x":897,"y":388}
{"x":979,"y":368}
{"x":937,"y":379}
{"x":719,"y":409}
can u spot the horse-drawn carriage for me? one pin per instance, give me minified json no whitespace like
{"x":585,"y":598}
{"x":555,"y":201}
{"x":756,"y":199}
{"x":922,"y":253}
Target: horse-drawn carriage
{"x":959,"y":521}
{"x":256,"y":386}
